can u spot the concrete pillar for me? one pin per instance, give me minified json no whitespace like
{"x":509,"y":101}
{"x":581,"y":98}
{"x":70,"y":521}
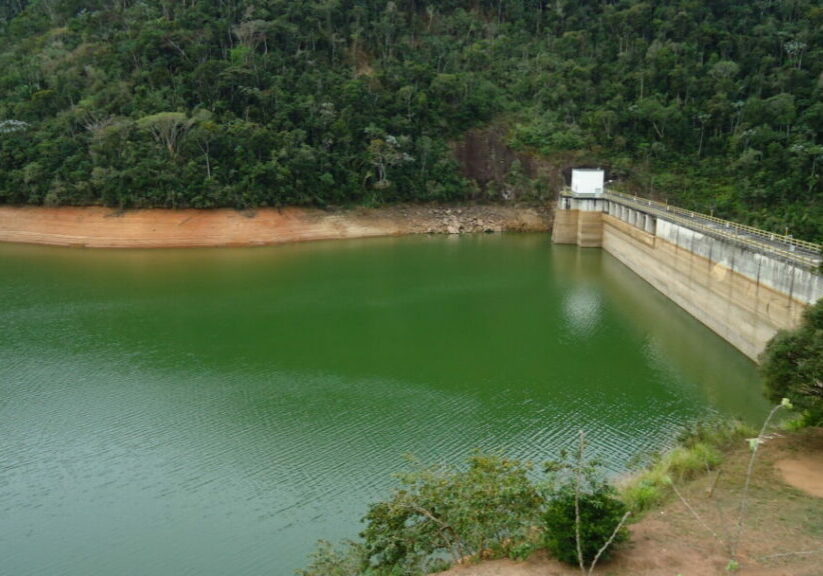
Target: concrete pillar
{"x":590,"y":229}
{"x":565,"y":226}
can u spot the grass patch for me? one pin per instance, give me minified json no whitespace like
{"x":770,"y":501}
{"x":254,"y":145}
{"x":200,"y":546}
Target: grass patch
{"x":700,"y":449}
{"x":684,"y":463}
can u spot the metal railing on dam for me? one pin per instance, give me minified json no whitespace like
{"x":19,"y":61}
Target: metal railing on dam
{"x":806,"y":254}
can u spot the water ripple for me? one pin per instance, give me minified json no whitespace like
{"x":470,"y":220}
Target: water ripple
{"x":213,"y":412}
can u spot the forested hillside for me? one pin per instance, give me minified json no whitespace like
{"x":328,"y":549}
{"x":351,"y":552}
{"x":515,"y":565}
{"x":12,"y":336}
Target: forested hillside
{"x":713,"y":104}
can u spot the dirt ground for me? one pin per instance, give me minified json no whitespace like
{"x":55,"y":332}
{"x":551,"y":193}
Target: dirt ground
{"x":107,"y":228}
{"x":782,"y":533}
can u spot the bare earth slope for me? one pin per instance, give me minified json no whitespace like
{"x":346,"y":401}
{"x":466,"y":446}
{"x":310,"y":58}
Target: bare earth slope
{"x":107,"y":228}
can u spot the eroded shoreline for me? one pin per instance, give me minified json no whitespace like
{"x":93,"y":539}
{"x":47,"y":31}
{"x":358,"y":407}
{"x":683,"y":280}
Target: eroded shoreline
{"x":97,"y":227}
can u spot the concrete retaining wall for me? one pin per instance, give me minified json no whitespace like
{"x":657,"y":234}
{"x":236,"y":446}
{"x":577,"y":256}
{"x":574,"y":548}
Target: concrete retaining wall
{"x":579,"y":221}
{"x":564,"y":230}
{"x":743,"y":295}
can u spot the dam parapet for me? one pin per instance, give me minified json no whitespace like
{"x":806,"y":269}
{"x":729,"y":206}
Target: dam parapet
{"x":742,"y":282}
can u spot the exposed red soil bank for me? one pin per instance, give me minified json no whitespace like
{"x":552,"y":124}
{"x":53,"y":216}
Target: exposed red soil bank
{"x":107,"y":228}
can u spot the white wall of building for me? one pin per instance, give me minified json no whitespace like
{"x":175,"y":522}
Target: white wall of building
{"x":587,"y":181}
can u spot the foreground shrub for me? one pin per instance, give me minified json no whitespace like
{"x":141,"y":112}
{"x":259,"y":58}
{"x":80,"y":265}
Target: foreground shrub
{"x":346,"y":560}
{"x":600,"y":514}
{"x":792,"y":365}
{"x":488,"y":509}
{"x":584,"y":519}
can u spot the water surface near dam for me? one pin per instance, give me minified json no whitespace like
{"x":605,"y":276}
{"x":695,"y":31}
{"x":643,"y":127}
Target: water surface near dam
{"x":216,"y":411}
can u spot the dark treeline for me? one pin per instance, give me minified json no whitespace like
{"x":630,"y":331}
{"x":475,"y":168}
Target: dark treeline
{"x":714,"y":104}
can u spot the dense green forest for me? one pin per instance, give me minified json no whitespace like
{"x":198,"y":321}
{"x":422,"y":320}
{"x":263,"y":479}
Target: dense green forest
{"x":714,"y":104}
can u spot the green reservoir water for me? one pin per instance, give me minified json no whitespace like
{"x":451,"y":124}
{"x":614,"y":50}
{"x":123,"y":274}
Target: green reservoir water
{"x":216,"y":411}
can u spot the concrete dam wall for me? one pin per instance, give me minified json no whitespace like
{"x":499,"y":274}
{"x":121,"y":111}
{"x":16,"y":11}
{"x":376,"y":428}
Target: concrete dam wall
{"x":744,"y":284}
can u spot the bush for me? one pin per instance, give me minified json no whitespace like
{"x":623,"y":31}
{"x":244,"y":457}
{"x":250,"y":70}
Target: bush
{"x":584,"y":519}
{"x":346,"y":560}
{"x":792,"y":364}
{"x":486,"y":510}
{"x":600,"y":514}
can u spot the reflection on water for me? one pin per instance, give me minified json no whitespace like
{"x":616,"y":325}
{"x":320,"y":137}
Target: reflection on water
{"x":582,"y":311}
{"x":217,"y":411}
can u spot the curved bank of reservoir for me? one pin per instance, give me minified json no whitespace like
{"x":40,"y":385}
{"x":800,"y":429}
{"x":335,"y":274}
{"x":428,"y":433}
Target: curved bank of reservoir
{"x":97,"y":227}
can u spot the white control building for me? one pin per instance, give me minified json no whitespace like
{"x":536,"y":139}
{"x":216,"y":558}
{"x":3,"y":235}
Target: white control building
{"x":588,"y":181}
